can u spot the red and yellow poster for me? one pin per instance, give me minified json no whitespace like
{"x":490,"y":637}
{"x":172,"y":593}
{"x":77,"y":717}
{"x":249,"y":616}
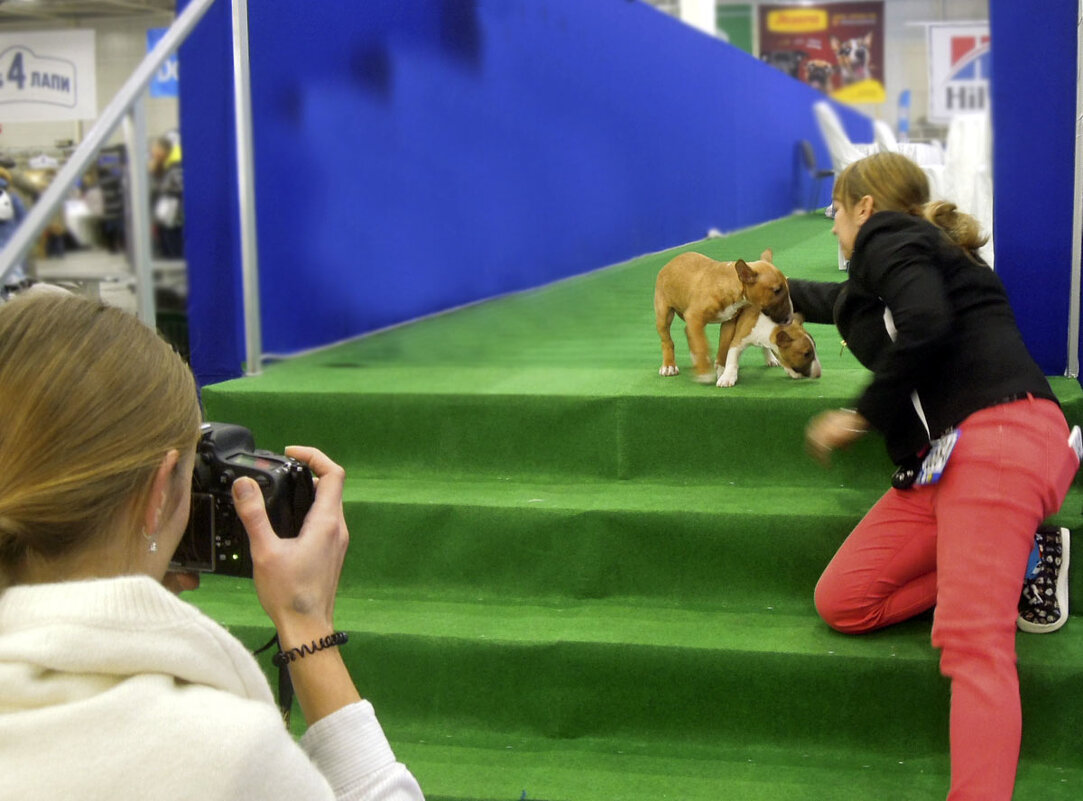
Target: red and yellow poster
{"x":837,"y":48}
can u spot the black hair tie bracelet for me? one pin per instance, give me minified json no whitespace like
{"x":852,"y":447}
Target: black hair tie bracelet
{"x":330,"y":641}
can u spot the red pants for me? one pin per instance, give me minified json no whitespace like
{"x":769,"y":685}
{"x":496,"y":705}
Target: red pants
{"x":962,"y":545}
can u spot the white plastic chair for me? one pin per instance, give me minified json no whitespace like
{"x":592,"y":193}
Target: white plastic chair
{"x":839,"y":146}
{"x":924,"y":154}
{"x":884,"y":137}
{"x":968,"y":171}
{"x":929,"y":157}
{"x":843,"y":152}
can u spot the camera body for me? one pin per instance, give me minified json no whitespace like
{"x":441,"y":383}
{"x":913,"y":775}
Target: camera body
{"x":215,"y":540}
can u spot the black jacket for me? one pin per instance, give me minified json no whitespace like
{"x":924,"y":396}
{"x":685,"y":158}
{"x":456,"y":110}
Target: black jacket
{"x":957,"y":343}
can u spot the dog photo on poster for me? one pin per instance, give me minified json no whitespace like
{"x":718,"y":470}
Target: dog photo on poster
{"x":837,"y":48}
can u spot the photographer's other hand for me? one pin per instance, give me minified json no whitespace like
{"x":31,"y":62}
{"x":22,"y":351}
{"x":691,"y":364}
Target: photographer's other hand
{"x":831,"y":430}
{"x":297,"y":578}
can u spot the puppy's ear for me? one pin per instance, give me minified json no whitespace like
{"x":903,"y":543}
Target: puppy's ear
{"x":745,"y":273}
{"x":868,"y":39}
{"x":782,"y":339}
{"x":767,"y":255}
{"x":798,"y":318}
{"x":834,"y":43}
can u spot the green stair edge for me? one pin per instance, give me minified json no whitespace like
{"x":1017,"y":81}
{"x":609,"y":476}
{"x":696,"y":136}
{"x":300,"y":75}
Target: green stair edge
{"x":453,"y":766}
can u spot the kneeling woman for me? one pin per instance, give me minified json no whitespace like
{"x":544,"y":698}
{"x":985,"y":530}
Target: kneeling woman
{"x":953,"y":389}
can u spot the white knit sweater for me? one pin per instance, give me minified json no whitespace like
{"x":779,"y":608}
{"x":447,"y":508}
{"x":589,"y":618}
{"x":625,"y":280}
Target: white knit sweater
{"x":115,"y":689}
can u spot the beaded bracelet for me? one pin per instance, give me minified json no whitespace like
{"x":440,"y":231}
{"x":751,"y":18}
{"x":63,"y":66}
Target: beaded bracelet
{"x":285,"y":657}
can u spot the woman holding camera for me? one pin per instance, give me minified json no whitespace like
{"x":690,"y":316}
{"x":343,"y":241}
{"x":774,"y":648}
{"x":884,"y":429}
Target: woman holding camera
{"x":110,"y":686}
{"x":954,"y":391}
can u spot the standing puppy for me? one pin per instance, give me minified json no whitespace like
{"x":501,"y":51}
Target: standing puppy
{"x":788,"y":346}
{"x":701,"y":290}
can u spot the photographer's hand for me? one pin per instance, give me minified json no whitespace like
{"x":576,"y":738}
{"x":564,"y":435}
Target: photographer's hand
{"x":296,"y":581}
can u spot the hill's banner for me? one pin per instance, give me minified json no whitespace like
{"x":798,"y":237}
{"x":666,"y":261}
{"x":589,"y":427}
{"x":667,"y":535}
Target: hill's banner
{"x":959,"y":69}
{"x":837,"y":48}
{"x":47,"y":76}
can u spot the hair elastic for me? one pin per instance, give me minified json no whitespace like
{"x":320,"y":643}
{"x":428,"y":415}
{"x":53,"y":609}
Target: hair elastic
{"x":330,"y":641}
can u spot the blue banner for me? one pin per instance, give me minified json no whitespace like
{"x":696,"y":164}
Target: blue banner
{"x":165,"y":82}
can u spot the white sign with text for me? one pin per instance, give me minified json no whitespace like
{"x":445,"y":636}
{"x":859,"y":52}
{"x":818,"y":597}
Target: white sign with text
{"x":47,"y":76}
{"x":959,"y":69}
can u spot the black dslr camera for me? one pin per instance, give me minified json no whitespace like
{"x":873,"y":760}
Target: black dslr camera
{"x":215,"y":540}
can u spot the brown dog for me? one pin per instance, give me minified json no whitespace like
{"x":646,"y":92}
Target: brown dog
{"x":788,"y":346}
{"x":701,"y":291}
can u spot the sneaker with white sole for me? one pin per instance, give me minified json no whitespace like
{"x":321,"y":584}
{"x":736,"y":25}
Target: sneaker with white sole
{"x":1043,"y":606}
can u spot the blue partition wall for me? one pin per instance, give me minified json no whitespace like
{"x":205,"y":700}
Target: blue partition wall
{"x":415,"y":155}
{"x":1033,"y":167}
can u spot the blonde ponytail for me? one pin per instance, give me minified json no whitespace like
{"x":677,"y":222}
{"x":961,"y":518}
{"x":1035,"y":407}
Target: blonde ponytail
{"x":963,"y":229}
{"x":91,"y":400}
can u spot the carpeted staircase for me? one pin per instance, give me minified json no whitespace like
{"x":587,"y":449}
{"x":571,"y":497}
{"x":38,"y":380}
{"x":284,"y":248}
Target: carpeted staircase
{"x":571,"y":579}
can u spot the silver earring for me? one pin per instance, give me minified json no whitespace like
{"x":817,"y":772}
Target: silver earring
{"x":152,"y":541}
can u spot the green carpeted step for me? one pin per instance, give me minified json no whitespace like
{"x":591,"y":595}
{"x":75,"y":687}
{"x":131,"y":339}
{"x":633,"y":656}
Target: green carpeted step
{"x":668,"y":431}
{"x":690,"y":544}
{"x":454,"y":765}
{"x":682,"y":544}
{"x":639,"y":671}
{"x":698,"y":545}
{"x":664,"y":431}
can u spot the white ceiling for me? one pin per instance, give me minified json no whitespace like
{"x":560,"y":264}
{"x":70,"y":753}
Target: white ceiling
{"x":81,"y":10}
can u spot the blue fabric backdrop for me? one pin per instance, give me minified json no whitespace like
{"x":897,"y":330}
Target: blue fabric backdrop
{"x":414,"y":155}
{"x":1033,"y":166}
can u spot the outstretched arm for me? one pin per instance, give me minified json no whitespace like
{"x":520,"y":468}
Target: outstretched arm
{"x":815,"y":300}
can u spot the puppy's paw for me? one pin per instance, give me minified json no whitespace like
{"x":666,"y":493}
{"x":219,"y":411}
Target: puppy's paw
{"x":771,"y":359}
{"x":727,"y":379}
{"x":705,"y":378}
{"x":668,"y":369}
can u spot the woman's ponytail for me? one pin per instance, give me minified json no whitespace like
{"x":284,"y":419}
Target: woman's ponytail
{"x":963,"y":229}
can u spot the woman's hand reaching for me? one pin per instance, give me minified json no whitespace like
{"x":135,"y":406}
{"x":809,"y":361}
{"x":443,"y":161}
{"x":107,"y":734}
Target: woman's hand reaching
{"x":831,"y":430}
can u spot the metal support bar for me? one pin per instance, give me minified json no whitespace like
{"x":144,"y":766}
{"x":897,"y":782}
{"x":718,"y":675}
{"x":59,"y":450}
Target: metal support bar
{"x":135,"y":137}
{"x":1077,"y":211}
{"x":246,"y":190}
{"x":22,"y":240}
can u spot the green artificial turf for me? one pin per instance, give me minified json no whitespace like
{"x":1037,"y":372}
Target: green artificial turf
{"x":571,"y":578}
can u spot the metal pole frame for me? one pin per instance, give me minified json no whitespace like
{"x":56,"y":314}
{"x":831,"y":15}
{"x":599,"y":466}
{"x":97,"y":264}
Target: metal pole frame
{"x":135,"y":136}
{"x":1077,"y":215}
{"x":246,"y":190}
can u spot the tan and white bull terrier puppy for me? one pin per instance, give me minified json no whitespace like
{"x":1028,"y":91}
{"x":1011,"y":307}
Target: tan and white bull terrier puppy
{"x":702,"y":291}
{"x":788,"y":346}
